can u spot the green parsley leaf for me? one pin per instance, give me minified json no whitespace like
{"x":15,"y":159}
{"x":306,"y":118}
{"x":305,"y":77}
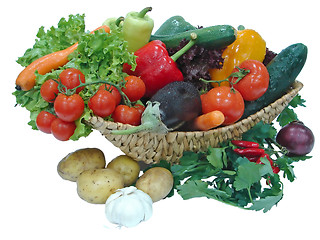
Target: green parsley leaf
{"x":198,"y":188}
{"x":297,"y":101}
{"x":248,"y":174}
{"x":217,"y":157}
{"x":266,"y":203}
{"x":265,"y":168}
{"x":260,"y":132}
{"x":284,"y":164}
{"x":286,"y":116}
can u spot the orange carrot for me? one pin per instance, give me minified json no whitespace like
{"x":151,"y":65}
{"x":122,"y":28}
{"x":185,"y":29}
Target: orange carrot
{"x":208,"y":120}
{"x":27,"y":78}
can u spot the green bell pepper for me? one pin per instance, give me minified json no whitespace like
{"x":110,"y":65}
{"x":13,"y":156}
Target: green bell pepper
{"x":137,"y":28}
{"x":173,"y":25}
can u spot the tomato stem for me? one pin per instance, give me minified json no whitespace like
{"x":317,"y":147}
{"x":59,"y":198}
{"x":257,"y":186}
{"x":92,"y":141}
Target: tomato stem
{"x":63,"y":89}
{"x":242,"y":72}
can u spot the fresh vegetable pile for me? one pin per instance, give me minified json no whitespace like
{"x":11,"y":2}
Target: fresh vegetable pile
{"x":120,"y":69}
{"x":180,"y":78}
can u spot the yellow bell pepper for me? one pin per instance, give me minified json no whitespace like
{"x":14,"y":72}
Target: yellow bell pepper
{"x":248,"y":45}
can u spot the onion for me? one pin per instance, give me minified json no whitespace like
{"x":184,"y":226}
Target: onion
{"x":296,"y":138}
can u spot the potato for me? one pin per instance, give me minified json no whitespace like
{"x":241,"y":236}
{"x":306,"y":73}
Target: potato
{"x":157,"y":182}
{"x":96,"y":185}
{"x":127,"y":167}
{"x":73,"y":164}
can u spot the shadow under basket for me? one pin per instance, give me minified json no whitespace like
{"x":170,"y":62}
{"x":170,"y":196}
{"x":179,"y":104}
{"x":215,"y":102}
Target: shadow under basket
{"x":153,"y":147}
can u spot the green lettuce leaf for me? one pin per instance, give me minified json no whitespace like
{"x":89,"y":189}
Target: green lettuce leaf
{"x":100,"y":56}
{"x":55,"y":39}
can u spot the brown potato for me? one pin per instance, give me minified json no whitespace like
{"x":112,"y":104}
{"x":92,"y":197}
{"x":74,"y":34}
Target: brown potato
{"x":96,"y":185}
{"x":127,"y":167}
{"x":157,"y":182}
{"x":73,"y":164}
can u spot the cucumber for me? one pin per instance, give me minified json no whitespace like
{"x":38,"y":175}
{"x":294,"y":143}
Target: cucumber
{"x":283,"y":71}
{"x":218,"y":36}
{"x":173,"y":25}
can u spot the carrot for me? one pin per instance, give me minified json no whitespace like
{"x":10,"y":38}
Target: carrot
{"x":208,"y":120}
{"x":27,"y":78}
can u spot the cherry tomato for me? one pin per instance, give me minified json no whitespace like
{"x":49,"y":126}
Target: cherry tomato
{"x":102,"y":103}
{"x":115,"y":93}
{"x":44,"y":120}
{"x":255,"y":83}
{"x":127,"y":115}
{"x":71,"y":78}
{"x":62,"y":130}
{"x":134,"y":88}
{"x":228,"y":101}
{"x":69,"y":108}
{"x":140,"y":108}
{"x":49,"y":90}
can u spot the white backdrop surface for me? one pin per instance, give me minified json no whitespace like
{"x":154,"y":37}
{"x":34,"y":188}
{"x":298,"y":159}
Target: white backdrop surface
{"x":35,"y":203}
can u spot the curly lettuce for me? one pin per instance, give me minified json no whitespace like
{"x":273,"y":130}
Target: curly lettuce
{"x":100,"y":56}
{"x":67,"y":32}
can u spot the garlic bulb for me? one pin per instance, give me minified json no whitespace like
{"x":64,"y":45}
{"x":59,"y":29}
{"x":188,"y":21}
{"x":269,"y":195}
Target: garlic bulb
{"x":128,"y":207}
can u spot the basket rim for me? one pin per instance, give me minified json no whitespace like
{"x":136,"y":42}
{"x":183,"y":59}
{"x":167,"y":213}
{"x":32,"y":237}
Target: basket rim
{"x":294,"y":89}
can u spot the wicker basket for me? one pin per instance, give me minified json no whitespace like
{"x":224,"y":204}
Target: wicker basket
{"x":151,"y":147}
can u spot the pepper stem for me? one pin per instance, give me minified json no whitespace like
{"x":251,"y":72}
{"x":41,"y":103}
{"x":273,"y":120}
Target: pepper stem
{"x":144,"y":11}
{"x":183,"y":50}
{"x":119,"y":20}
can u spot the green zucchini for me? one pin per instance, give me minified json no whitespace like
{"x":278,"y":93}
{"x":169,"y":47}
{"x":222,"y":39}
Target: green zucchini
{"x":218,"y":36}
{"x":173,"y":25}
{"x":283,"y":71}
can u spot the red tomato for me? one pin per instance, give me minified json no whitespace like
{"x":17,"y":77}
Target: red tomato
{"x":224,"y":99}
{"x":102,"y":103}
{"x":134,"y":88}
{"x":62,"y":130}
{"x":140,"y":108}
{"x":69,"y":108}
{"x":115,"y":93}
{"x":255,"y":83}
{"x":71,"y":78}
{"x":49,"y":90}
{"x":127,"y":115}
{"x":44,"y":120}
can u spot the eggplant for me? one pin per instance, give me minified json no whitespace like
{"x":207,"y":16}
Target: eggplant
{"x":168,"y":109}
{"x":179,"y":102}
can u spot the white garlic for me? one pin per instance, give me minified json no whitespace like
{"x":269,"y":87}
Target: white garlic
{"x":128,"y":207}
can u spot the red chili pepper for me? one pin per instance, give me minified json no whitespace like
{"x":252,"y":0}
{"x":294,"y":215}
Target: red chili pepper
{"x":275,"y":169}
{"x":253,"y":159}
{"x":245,"y":144}
{"x":249,"y":152}
{"x":267,"y":156}
{"x":155,"y":67}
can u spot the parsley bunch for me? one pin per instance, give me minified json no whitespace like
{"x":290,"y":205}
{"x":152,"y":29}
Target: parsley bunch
{"x":221,"y":174}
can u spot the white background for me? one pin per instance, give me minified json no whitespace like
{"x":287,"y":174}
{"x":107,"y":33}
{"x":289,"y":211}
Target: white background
{"x":37,"y":204}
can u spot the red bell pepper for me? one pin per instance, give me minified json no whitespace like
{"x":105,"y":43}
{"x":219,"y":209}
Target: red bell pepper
{"x":155,"y":67}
